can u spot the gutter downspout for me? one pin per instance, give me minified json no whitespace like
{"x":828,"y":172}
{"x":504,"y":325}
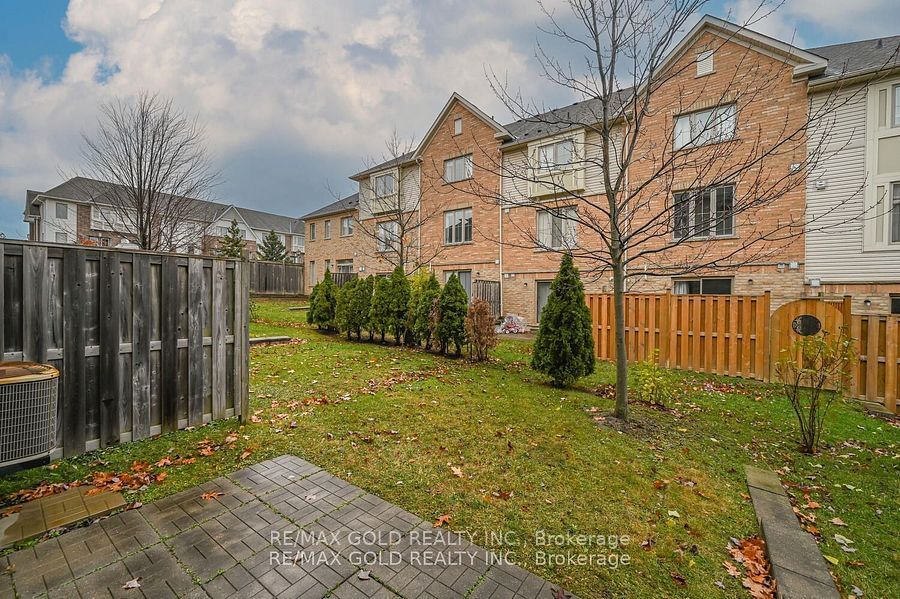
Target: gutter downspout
{"x":500,"y":221}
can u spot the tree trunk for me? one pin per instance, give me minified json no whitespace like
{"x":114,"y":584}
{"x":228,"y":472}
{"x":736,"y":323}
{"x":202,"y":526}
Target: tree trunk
{"x":621,"y":355}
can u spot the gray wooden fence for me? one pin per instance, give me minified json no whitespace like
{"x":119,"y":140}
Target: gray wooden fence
{"x":146,"y":342}
{"x":488,"y":291}
{"x":276,"y":278}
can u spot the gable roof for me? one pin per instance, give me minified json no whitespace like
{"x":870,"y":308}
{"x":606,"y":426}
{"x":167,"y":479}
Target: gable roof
{"x":857,"y":58}
{"x":85,"y":190}
{"x":501,"y":132}
{"x":351,"y":202}
{"x":410,"y":157}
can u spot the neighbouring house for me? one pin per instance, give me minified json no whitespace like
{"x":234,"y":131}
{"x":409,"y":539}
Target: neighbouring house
{"x":332,"y":241}
{"x":448,"y":178}
{"x":856,"y":190}
{"x":74,"y":212}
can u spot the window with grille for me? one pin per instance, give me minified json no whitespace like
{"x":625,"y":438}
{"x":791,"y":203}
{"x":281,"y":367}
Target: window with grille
{"x":704,"y":213}
{"x":457,"y":169}
{"x":458,"y":226}
{"x":556,"y":228}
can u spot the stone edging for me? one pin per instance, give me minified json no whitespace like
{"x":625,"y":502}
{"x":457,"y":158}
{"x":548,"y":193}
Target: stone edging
{"x":797,"y":564}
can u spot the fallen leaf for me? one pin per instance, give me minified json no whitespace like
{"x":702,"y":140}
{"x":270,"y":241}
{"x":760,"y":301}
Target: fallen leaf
{"x":838,"y":522}
{"x":678,"y":579}
{"x":674,"y":514}
{"x":441,"y":520}
{"x":244,"y":454}
{"x":732,"y":570}
{"x":364,"y":575}
{"x":134,"y":583}
{"x":457,"y":471}
{"x":212,"y":495}
{"x":832,"y":560}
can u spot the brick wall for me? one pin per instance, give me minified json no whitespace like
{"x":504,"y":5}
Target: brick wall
{"x":482,"y":254}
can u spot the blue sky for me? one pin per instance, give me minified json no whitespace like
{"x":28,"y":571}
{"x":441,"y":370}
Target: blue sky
{"x":295,"y":96}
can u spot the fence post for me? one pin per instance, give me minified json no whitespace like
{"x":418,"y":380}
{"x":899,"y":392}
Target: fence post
{"x":243,"y":338}
{"x":665,"y":328}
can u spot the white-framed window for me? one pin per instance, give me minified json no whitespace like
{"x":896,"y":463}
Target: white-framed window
{"x":457,"y":169}
{"x":61,"y":237}
{"x":702,"y":286}
{"x":312,"y":273}
{"x":99,"y":241}
{"x":388,"y":233}
{"x":327,"y":229}
{"x":457,"y":126}
{"x":895,"y":212}
{"x":345,"y":265}
{"x":62,"y":210}
{"x":704,"y":213}
{"x":346,"y":226}
{"x":384,"y":185}
{"x":556,"y":155}
{"x":312,"y":231}
{"x":328,"y":265}
{"x":704,"y":63}
{"x":543,"y":290}
{"x":458,"y":226}
{"x":297,"y":243}
{"x":556,"y":227}
{"x":705,"y":126}
{"x":465,"y":279}
{"x":895,"y":120}
{"x":895,"y":304}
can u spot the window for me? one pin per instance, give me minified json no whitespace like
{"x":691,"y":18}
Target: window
{"x":345,"y":265}
{"x":702,"y":287}
{"x":312,"y":273}
{"x":346,"y":226}
{"x":312,"y":231}
{"x":704,"y":63}
{"x":457,"y":126}
{"x":457,"y":169}
{"x":99,"y":241}
{"x":895,"y":304}
{"x":297,"y":243}
{"x":556,"y":228}
{"x":705,"y":126}
{"x":465,"y":279}
{"x":62,"y":210}
{"x":895,"y":212}
{"x":896,"y":119}
{"x":327,"y":265}
{"x":327,"y":229}
{"x":543,"y":294}
{"x":458,"y":226}
{"x":707,"y":213}
{"x":388,"y":235}
{"x":384,"y":185}
{"x":557,"y":154}
{"x":62,"y":237}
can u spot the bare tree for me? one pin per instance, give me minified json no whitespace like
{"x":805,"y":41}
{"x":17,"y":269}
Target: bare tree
{"x":390,"y":211}
{"x":673,"y":192}
{"x":152,"y":164}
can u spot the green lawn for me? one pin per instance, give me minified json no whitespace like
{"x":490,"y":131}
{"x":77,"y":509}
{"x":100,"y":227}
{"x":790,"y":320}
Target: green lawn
{"x":532,"y":458}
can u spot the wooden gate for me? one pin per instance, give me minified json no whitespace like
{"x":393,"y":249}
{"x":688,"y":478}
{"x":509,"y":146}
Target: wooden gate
{"x":832,"y":315}
{"x":488,"y":291}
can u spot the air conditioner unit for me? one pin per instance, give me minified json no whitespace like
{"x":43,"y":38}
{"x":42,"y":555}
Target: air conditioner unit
{"x":28,"y":395}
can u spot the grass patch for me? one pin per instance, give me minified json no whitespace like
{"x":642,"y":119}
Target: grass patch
{"x":534,"y":458}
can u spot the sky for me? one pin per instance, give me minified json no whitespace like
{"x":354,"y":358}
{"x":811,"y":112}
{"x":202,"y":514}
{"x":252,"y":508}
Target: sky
{"x":295,"y":95}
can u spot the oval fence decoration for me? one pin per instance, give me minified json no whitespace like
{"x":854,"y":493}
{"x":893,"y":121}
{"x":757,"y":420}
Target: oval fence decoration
{"x":806,"y":325}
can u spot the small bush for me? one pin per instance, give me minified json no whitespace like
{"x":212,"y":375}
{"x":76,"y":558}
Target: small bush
{"x":564,"y":347}
{"x":425,"y":319}
{"x":380,"y":310}
{"x":652,"y":383}
{"x":813,"y":373}
{"x":453,"y":306}
{"x":399,"y":304}
{"x":311,"y":312}
{"x":323,"y":303}
{"x":480,"y":329}
{"x":360,"y":305}
{"x":343,"y":312}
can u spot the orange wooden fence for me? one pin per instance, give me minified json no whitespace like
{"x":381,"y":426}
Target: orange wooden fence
{"x":738,"y":335}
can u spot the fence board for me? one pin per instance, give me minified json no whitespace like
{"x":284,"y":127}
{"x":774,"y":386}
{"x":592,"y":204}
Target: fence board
{"x":140,"y":347}
{"x":195,"y":341}
{"x":34,"y":303}
{"x":74,"y":408}
{"x":110,"y":326}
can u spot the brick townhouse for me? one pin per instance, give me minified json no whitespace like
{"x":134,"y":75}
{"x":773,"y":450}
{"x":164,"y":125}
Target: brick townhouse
{"x":77,"y":211}
{"x":758,"y":88}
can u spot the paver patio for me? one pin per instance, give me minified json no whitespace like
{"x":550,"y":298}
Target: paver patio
{"x":281,"y":528}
